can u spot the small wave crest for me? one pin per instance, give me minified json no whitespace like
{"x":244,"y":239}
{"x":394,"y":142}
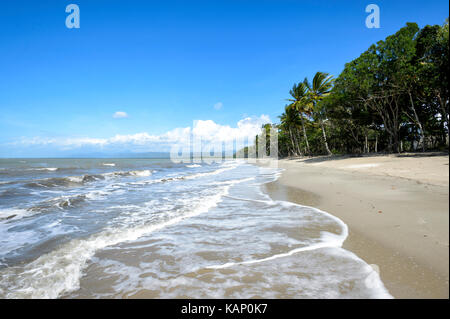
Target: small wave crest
{"x":64,"y":181}
{"x":59,"y":271}
{"x":13,"y":213}
{"x":141,"y":173}
{"x":50,"y":169}
{"x":83,"y":179}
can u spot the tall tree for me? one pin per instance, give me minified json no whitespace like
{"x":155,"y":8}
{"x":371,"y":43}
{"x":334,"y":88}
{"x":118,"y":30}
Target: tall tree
{"x":393,"y":97}
{"x":290,"y":121}
{"x":431,"y":63}
{"x":299,"y":102}
{"x":321,"y":87}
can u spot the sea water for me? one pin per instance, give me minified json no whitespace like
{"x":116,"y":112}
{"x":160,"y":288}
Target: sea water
{"x":151,"y":228}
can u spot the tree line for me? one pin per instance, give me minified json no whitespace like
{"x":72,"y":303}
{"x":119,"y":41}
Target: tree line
{"x":394,"y":97}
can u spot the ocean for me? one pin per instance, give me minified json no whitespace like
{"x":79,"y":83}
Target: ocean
{"x":151,"y":228}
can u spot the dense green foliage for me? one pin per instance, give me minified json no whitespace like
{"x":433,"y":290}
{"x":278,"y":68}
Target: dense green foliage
{"x":394,"y":97}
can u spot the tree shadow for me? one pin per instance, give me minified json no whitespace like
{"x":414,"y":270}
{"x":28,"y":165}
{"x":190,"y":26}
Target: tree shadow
{"x":425,"y":154}
{"x":320,"y":159}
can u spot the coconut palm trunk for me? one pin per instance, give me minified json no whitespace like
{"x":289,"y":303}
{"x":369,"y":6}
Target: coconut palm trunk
{"x":321,"y":86}
{"x":325,"y":137}
{"x":305,"y":136}
{"x":299,"y":103}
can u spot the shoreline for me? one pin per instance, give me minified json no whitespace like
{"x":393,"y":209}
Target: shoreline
{"x":396,"y":210}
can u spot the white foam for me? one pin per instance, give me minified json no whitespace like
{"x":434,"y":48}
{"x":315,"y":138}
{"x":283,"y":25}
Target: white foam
{"x":59,"y":271}
{"x":193,"y":166}
{"x":109,"y":164}
{"x":75,"y":179}
{"x":138,"y":173}
{"x":267,"y":202}
{"x":143,"y":173}
{"x":13,"y":213}
{"x":175,"y":177}
{"x":233,"y":181}
{"x":217,"y":171}
{"x":96,"y":195}
{"x":328,"y":240}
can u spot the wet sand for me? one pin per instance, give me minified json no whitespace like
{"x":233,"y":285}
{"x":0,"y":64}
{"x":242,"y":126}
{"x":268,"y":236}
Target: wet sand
{"x":396,"y":209}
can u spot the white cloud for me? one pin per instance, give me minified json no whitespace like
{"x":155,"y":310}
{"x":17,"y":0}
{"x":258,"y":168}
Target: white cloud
{"x":120,"y":115}
{"x":218,"y":105}
{"x":206,"y":130}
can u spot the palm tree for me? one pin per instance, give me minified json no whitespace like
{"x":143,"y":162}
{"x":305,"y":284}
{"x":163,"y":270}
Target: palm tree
{"x":321,"y":87}
{"x":290,"y":121}
{"x":299,"y":102}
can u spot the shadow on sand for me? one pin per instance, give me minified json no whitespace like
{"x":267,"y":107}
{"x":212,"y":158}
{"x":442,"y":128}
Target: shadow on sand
{"x":319,"y":159}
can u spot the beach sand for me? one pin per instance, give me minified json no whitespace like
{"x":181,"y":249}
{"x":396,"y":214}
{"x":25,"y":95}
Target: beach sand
{"x":396,"y":208}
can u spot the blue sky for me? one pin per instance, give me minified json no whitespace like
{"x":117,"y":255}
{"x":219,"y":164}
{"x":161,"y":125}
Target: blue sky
{"x":168,"y":63}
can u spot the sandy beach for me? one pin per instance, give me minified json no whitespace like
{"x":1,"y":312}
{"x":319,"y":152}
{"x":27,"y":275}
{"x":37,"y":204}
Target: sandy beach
{"x":396,"y":208}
